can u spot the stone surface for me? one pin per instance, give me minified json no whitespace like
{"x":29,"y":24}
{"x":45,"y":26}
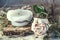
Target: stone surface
{"x":31,"y":37}
{"x":54,"y":38}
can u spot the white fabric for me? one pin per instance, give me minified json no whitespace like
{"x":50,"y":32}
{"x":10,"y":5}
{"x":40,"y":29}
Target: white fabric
{"x":40,"y":21}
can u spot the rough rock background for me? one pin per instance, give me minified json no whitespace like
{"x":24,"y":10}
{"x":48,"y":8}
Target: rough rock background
{"x":52,"y":6}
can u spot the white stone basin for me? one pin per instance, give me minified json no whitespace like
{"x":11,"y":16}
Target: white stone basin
{"x":19,"y":15}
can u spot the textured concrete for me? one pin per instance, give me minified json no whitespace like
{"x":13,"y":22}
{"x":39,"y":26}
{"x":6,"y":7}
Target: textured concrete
{"x":31,"y":37}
